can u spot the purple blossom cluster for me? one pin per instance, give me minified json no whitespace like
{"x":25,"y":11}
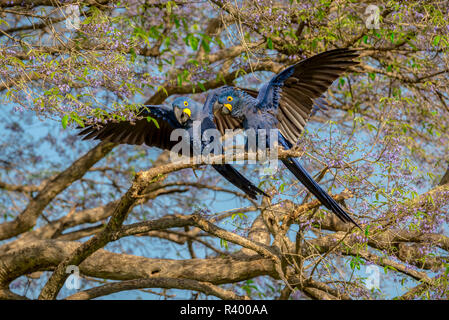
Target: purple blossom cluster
{"x":427,"y":216}
{"x":359,"y":238}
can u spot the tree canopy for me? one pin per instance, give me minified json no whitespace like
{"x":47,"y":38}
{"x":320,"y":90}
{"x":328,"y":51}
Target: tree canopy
{"x":132,"y":221}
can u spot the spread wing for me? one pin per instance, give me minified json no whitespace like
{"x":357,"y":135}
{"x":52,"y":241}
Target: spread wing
{"x":295,"y":90}
{"x":144,"y":130}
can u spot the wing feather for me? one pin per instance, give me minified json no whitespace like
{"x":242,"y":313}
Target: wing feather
{"x":139,"y":132}
{"x":301,"y":84}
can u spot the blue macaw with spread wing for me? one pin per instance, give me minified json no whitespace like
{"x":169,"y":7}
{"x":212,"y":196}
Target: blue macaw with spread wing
{"x":286,"y":103}
{"x":182,"y":115}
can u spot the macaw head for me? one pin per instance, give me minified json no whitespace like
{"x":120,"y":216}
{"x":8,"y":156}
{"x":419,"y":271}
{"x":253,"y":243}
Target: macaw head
{"x":184,"y":109}
{"x":230,"y":99}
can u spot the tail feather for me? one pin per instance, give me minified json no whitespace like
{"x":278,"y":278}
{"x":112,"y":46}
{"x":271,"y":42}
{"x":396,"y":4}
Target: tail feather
{"x":295,"y":167}
{"x":237,"y":179}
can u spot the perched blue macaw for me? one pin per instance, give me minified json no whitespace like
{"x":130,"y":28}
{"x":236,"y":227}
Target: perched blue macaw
{"x":285,"y":103}
{"x":183,"y":113}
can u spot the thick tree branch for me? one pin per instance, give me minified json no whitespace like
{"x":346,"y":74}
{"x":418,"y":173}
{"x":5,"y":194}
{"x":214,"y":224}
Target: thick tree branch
{"x":167,"y":283}
{"x":27,"y":218}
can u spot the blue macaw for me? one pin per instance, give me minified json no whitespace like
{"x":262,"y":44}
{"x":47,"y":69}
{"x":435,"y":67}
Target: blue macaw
{"x":182,"y":115}
{"x":285,"y":103}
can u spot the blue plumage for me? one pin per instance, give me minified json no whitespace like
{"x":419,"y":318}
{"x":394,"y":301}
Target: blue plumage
{"x":285,"y":103}
{"x":183,"y":115}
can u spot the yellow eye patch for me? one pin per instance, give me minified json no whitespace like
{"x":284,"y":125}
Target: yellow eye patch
{"x":229,"y":98}
{"x":186,"y":103}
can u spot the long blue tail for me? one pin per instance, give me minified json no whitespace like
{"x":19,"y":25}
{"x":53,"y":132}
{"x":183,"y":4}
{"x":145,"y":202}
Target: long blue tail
{"x":295,"y":167}
{"x":237,"y":179}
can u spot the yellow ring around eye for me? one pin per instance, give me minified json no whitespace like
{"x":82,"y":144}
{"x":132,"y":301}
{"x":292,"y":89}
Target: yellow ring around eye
{"x":230,"y":98}
{"x":187,"y":111}
{"x":186,"y":103}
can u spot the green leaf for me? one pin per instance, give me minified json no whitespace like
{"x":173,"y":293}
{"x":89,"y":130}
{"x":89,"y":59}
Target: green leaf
{"x":367,"y":231}
{"x":177,"y":23}
{"x":270,"y":43}
{"x":224,"y":243}
{"x":154,"y":33}
{"x":202,"y":87}
{"x":194,"y":62}
{"x":205,"y":46}
{"x":436,"y":40}
{"x":4,"y":22}
{"x":281,"y":188}
{"x":241,"y":215}
{"x":389,"y":267}
{"x":77,"y":119}
{"x":133,"y":54}
{"x":169,"y":7}
{"x":192,"y":41}
{"x":65,"y":120}
{"x":154,"y":121}
{"x":163,"y":89}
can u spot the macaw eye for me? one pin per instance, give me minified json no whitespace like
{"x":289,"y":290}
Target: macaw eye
{"x":186,"y":103}
{"x":229,"y":98}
